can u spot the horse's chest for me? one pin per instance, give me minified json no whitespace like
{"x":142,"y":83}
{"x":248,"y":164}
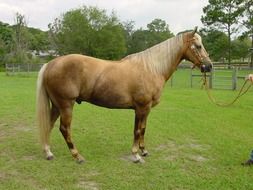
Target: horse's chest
{"x":148,"y":94}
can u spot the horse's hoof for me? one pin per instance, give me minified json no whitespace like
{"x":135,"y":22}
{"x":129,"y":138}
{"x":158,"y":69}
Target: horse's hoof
{"x":138,"y":159}
{"x":81,"y":161}
{"x":144,"y":153}
{"x":51,"y":157}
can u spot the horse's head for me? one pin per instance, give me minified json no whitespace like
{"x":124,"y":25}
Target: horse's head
{"x":196,"y":53}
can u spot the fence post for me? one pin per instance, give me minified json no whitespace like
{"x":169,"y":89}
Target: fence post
{"x":234,"y":78}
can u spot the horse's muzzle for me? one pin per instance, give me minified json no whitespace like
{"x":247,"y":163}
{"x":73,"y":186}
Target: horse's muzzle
{"x":206,"y":68}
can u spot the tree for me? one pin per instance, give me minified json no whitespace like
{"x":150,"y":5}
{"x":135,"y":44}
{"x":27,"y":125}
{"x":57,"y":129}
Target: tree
{"x":69,"y":34}
{"x":110,"y":42}
{"x":5,"y":40}
{"x":157,"y":31}
{"x":223,"y":15}
{"x":139,"y":41}
{"x":216,"y":48}
{"x":38,"y":40}
{"x":240,"y":48}
{"x":20,"y":41}
{"x":89,"y":31}
{"x":128,"y":27}
{"x":248,"y":23}
{"x":6,"y":33}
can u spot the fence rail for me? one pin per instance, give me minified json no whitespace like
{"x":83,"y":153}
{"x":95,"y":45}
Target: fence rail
{"x":221,"y":78}
{"x":15,"y":69}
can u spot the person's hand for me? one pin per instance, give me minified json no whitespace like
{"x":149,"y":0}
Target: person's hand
{"x":250,"y":77}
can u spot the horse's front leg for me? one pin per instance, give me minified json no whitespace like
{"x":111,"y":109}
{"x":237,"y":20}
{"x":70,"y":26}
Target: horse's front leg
{"x":141,"y":115}
{"x":144,"y":152}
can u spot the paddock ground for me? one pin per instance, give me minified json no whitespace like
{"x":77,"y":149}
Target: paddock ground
{"x":193,"y":144}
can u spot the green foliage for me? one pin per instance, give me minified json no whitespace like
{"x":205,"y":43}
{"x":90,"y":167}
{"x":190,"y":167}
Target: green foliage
{"x":6,"y":34}
{"x":248,"y":19}
{"x":139,"y":41}
{"x":223,"y":15}
{"x":217,"y":48}
{"x":5,"y":40}
{"x":157,"y":31}
{"x":18,"y":40}
{"x":248,"y":23}
{"x":89,"y":31}
{"x":240,"y":48}
{"x":21,"y":41}
{"x":38,"y":40}
{"x":109,"y":42}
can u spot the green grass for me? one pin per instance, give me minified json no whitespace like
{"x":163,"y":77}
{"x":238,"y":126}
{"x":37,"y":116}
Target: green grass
{"x":193,"y":144}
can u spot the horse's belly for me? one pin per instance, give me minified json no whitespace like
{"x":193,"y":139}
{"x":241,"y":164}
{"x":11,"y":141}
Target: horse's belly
{"x":110,"y":98}
{"x":111,"y":101}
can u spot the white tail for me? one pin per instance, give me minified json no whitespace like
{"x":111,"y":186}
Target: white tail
{"x":43,"y":110}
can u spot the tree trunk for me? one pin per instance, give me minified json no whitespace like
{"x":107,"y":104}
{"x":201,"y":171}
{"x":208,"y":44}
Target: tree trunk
{"x":251,"y":52}
{"x":229,"y":47}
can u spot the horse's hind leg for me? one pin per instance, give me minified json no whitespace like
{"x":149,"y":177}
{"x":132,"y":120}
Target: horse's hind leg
{"x":65,"y":122}
{"x":54,"y":114}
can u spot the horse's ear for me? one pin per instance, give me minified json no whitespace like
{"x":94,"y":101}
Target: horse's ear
{"x":195,"y":30}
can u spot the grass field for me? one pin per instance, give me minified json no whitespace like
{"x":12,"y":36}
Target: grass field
{"x":193,"y":144}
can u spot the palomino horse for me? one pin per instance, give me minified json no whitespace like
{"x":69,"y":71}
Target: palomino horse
{"x":135,"y":82}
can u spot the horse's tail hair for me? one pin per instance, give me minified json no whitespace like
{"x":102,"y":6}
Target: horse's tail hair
{"x":43,"y":109}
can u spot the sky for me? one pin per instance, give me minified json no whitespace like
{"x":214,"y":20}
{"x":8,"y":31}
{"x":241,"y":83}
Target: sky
{"x":180,"y":15}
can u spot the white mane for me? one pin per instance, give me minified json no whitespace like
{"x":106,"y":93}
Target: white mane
{"x":161,"y":57}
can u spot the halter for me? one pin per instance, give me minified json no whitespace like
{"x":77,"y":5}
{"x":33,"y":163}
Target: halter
{"x":196,"y":53}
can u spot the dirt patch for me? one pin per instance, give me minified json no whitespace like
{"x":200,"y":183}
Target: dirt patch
{"x":196,"y":146}
{"x":197,"y":158}
{"x":22,"y":128}
{"x":3,"y":176}
{"x":171,"y":145}
{"x":7,"y":130}
{"x":3,"y":124}
{"x":88,"y":185}
{"x":127,"y":158}
{"x":171,"y":157}
{"x":86,"y":182}
{"x":3,"y":133}
{"x":191,"y":150}
{"x":29,"y":157}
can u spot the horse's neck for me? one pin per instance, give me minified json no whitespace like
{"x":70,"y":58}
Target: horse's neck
{"x":161,"y":59}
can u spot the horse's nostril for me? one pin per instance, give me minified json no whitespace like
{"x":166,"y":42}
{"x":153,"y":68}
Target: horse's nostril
{"x":203,"y":68}
{"x":206,"y":68}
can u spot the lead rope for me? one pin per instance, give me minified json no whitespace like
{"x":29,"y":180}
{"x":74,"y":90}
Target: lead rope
{"x":242,"y":91}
